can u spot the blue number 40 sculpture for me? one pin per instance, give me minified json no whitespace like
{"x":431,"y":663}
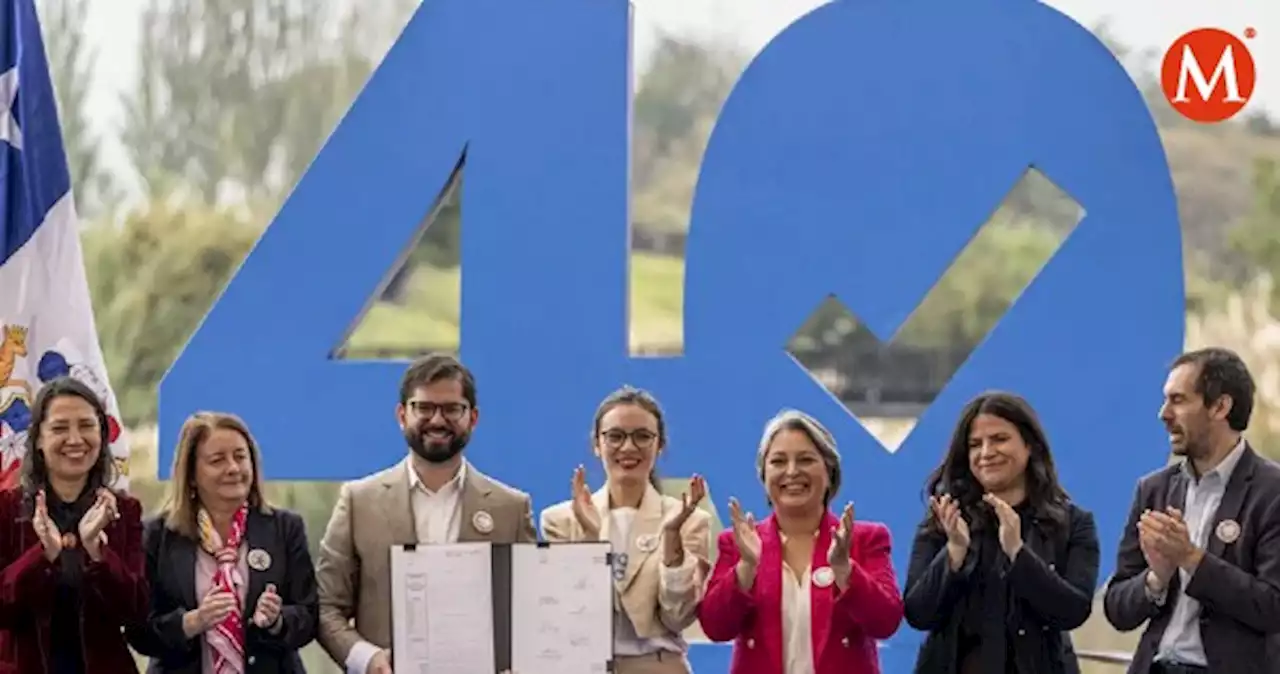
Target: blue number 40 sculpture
{"x":857,"y":156}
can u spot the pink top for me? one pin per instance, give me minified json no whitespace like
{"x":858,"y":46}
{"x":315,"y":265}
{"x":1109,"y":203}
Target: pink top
{"x":205,"y":568}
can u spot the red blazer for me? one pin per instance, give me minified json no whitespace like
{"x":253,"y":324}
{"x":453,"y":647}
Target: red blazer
{"x":113,"y":591}
{"x":845,"y":624}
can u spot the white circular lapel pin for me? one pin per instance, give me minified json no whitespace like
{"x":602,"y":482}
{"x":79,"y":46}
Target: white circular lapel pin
{"x":1227,"y":531}
{"x":259,"y":559}
{"x":647,"y":543}
{"x":824,"y":577}
{"x":482,"y":521}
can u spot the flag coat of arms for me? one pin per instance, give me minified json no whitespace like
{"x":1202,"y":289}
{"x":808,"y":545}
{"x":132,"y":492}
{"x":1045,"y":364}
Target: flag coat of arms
{"x":46,"y":319}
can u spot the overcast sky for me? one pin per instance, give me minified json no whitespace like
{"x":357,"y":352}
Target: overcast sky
{"x":1142,"y":24}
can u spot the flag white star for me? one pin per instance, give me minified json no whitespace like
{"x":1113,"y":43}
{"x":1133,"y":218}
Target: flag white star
{"x":9,"y":131}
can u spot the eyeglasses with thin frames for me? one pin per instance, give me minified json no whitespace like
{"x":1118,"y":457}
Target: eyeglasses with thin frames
{"x":642,"y":438}
{"x":427,"y":410}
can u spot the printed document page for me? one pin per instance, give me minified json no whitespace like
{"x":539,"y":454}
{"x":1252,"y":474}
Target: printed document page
{"x":442,"y":608}
{"x":562,"y":609}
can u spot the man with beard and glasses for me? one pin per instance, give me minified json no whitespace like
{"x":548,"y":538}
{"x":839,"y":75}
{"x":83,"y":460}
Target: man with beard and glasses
{"x":433,"y":496}
{"x":1199,"y":562}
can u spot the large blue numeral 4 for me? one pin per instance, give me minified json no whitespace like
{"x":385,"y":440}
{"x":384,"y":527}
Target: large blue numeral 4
{"x":857,"y":155}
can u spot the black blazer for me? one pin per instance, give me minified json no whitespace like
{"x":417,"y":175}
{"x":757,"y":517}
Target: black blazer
{"x":1050,"y":586}
{"x":1237,"y":584}
{"x":171,"y":562}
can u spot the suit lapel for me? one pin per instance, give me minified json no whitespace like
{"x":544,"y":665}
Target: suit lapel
{"x":396,"y":506}
{"x":476,"y":490}
{"x":1176,"y":496}
{"x":258,"y":535}
{"x":821,"y":598}
{"x":646,"y":529}
{"x":1232,"y":500}
{"x":600,"y":499}
{"x":768,"y":588}
{"x":182,"y":564}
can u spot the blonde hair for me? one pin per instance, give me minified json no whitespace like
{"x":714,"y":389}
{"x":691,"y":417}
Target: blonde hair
{"x":182,"y":502}
{"x":795,"y":420}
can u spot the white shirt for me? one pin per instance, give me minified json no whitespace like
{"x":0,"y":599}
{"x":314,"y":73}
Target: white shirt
{"x":676,"y":581}
{"x":797,"y":618}
{"x":1181,"y":642}
{"x":435,"y":521}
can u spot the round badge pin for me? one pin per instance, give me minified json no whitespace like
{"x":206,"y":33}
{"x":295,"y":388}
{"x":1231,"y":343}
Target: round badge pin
{"x":620,"y":566}
{"x":647,"y":543}
{"x":259,"y":559}
{"x":1228,"y":531}
{"x":824,"y":577}
{"x":483,"y":522}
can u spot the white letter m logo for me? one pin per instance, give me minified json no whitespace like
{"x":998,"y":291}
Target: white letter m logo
{"x":1190,"y":69}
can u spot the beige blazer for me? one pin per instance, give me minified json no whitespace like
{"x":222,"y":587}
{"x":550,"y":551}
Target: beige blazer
{"x":353,"y":568}
{"x":653,"y":612}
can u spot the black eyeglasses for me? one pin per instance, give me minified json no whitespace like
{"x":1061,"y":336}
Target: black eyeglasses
{"x":427,"y":410}
{"x":642,"y":438}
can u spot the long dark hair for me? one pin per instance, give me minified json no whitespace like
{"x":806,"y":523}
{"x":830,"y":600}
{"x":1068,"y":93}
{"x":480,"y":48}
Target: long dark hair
{"x":629,"y":395}
{"x":35,"y":471}
{"x":1045,"y":496}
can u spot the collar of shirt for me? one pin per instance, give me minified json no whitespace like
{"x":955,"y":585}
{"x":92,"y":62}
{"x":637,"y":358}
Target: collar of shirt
{"x":1223,"y":470}
{"x":449,"y":487}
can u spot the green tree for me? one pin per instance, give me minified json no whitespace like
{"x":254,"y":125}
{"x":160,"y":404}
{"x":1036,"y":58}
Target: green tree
{"x":1256,"y":238}
{"x":237,"y":96}
{"x":153,"y":278}
{"x":677,"y":101}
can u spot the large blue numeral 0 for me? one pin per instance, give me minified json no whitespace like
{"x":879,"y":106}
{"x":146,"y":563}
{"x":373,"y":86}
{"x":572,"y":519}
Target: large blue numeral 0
{"x":857,"y":155}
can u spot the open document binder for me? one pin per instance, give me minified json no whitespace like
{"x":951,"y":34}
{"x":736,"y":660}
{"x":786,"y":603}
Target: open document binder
{"x":475,"y":608}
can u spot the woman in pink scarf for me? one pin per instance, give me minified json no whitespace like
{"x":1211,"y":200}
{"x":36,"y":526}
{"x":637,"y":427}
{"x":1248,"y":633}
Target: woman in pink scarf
{"x":233,"y":587}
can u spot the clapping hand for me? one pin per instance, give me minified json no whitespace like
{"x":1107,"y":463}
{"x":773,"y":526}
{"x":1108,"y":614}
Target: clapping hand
{"x":947,"y":511}
{"x":95,"y":521}
{"x":267,"y":613}
{"x":1010,"y":532}
{"x":745,"y":534}
{"x":215,"y":606}
{"x":46,"y":530}
{"x":1147,"y":542}
{"x":672,"y":542}
{"x":1168,"y":537}
{"x":841,"y":540}
{"x":690,"y":500}
{"x":584,"y":509}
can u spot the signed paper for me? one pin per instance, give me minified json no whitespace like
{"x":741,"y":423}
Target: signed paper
{"x":562,"y":609}
{"x":442,"y":608}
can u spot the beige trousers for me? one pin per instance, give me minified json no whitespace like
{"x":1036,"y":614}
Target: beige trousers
{"x":662,"y":662}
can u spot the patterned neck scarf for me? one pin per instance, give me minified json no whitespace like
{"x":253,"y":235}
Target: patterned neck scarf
{"x":226,"y":639}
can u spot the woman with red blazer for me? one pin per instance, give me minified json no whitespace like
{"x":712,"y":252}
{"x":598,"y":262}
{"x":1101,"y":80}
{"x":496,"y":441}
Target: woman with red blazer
{"x":70,"y":547}
{"x":803,"y":592}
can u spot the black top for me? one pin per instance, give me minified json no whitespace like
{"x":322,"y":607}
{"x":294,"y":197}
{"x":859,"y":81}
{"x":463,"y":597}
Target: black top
{"x":67,"y":651}
{"x":986,"y":637}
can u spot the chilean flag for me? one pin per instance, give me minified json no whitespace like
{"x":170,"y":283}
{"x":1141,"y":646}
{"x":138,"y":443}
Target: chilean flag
{"x":46,"y":319}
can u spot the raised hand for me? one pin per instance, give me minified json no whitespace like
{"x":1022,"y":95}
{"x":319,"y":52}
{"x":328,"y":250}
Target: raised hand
{"x":1010,"y":532}
{"x":744,"y":534}
{"x":1169,"y":537}
{"x":215,"y":606}
{"x":1162,"y":567}
{"x":841,"y":540}
{"x":267,"y":612}
{"x":691,"y":498}
{"x":95,"y":521}
{"x":672,"y":540}
{"x":947,"y":510}
{"x":46,"y":530}
{"x":584,"y":509}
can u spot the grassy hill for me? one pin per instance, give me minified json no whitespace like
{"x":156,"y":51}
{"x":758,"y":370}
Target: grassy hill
{"x":427,"y":318}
